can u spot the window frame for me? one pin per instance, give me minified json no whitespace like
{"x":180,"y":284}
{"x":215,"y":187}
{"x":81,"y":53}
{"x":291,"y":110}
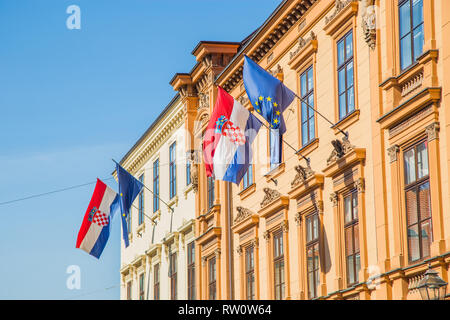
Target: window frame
{"x":210,"y":191}
{"x":172,"y":170}
{"x":313,"y":243}
{"x":409,"y":34}
{"x":250,"y":290}
{"x":308,"y":93}
{"x":279,"y":264}
{"x":212,"y":279}
{"x":343,"y":66}
{"x":156,"y":186}
{"x":173,"y":276}
{"x":191,"y":271}
{"x":129,"y":284}
{"x":156,"y":282}
{"x":354,"y":222}
{"x":415,"y":185}
{"x":141,"y":202}
{"x":141,"y":286}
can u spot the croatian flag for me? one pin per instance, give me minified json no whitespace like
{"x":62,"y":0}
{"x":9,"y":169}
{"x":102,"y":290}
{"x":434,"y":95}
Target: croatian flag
{"x":94,"y":231}
{"x":227,"y":142}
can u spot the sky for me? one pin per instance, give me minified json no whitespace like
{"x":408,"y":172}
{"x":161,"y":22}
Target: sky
{"x":73,"y":99}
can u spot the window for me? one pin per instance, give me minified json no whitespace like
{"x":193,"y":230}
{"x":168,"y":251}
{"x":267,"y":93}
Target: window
{"x":351,"y":235}
{"x":247,"y":180}
{"x":278,"y":262}
{"x":141,"y":286}
{"x":250,"y":273}
{"x":307,"y":114}
{"x":173,"y":170}
{"x":156,"y":282}
{"x":212,"y":278}
{"x":418,"y":203}
{"x":346,"y":89}
{"x":411,"y":31}
{"x":129,"y":290}
{"x":141,"y":202}
{"x":191,"y":270}
{"x":156,"y":185}
{"x":188,"y":172}
{"x":210,"y":192}
{"x":173,"y":276}
{"x":312,"y":254}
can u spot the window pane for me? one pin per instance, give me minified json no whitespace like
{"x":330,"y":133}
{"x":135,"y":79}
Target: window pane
{"x":312,"y":133}
{"x":309,"y":259}
{"x":341,"y":52}
{"x":357,"y":266}
{"x":418,"y":42}
{"x":427,"y":238}
{"x":342,"y":106}
{"x":315,"y":227}
{"x":422,"y":161}
{"x":349,"y":45}
{"x":410,"y":169}
{"x":316,"y":256}
{"x":405,"y":19}
{"x":310,"y":79}
{"x":308,"y":229}
{"x":417,"y":12}
{"x":311,"y":285}
{"x":305,"y":133}
{"x":347,"y":209}
{"x":355,"y":205}
{"x":311,"y":104}
{"x":411,"y":207}
{"x":350,"y":74}
{"x":350,"y":269}
{"x":405,"y":52}
{"x":356,"y":237}
{"x":304,"y":112}
{"x":424,"y":201}
{"x":348,"y":241}
{"x":351,"y":99}
{"x":413,"y":243}
{"x":341,"y":79}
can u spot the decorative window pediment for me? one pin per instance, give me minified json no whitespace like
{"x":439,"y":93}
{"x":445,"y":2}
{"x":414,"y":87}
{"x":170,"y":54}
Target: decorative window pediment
{"x":304,"y":50}
{"x":244,"y":219}
{"x":273,"y":201}
{"x":343,"y":10}
{"x":344,"y":155}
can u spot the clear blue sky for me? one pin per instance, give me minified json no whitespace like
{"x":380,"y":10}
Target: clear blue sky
{"x":70,"y":101}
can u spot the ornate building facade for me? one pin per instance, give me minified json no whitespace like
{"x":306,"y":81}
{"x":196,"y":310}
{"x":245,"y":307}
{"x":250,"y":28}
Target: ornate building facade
{"x":369,"y":212}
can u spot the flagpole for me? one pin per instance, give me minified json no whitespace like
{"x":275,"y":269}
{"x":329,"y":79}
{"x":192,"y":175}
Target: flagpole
{"x":309,"y":106}
{"x":171,"y":209}
{"x":295,"y":150}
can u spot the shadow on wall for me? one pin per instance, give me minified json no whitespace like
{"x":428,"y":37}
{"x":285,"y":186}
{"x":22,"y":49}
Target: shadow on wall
{"x":326,"y":262}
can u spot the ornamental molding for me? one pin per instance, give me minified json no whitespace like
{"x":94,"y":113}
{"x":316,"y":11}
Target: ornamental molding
{"x":303,"y":173}
{"x":298,"y":219}
{"x":334,"y":199}
{"x":410,"y":121}
{"x":302,"y":43}
{"x":188,"y":91}
{"x":369,"y":22}
{"x":285,"y":226}
{"x":193,"y":159}
{"x":243,"y":213}
{"x":266,"y":235}
{"x":239,"y":250}
{"x":339,"y":6}
{"x":360,"y":186}
{"x":264,"y":46}
{"x":161,"y":135}
{"x":341,"y":148}
{"x":270,"y":196}
{"x":203,"y":101}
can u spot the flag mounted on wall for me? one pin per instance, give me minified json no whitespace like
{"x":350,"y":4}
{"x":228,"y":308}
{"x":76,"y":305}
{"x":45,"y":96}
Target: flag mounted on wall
{"x":269,"y":97}
{"x":227,"y":142}
{"x":129,"y":189}
{"x":96,"y":226}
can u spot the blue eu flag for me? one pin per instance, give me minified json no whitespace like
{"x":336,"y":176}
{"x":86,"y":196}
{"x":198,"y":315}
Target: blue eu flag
{"x":129,"y":189}
{"x":269,"y":97}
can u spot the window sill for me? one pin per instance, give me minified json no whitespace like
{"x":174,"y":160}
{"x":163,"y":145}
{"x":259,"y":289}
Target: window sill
{"x":156,"y":215}
{"x":308,"y":148}
{"x":141,"y":228}
{"x":346,"y":122}
{"x":188,"y":189}
{"x":247,"y":191}
{"x":173,"y":202}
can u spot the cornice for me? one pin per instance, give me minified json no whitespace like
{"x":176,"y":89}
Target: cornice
{"x":268,"y":35}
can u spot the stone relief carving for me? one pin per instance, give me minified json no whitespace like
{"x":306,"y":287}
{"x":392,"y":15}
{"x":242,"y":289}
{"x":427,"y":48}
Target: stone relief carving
{"x":193,"y":159}
{"x":339,"y":6}
{"x":393,"y":152}
{"x":334,"y":198}
{"x":270,"y":196}
{"x":203,"y":101}
{"x":340,"y":149}
{"x":369,"y":22}
{"x":242,"y":214}
{"x":302,"y":43}
{"x":303,"y":173}
{"x":432,"y":131}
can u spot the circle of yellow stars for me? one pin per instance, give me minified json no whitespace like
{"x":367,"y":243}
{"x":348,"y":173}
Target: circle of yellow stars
{"x":275,"y":123}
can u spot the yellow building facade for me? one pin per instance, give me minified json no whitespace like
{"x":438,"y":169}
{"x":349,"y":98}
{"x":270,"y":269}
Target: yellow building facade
{"x":370,"y":212}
